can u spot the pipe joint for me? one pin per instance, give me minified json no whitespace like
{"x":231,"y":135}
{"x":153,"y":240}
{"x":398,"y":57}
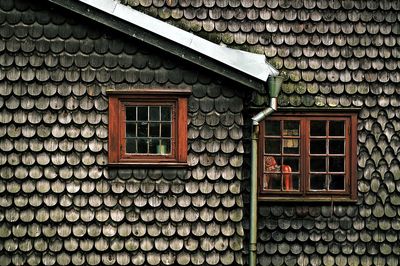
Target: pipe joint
{"x":273,"y":106}
{"x":253,"y":246}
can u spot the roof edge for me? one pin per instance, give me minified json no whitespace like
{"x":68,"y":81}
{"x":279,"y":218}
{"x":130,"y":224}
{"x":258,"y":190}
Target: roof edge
{"x":246,"y":68}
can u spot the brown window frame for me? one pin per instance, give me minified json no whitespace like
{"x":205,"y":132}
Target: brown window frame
{"x":177,"y":99}
{"x":349,"y":194}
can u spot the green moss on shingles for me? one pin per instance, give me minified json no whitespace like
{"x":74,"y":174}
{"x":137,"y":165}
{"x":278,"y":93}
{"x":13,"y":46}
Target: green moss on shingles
{"x":227,"y":38}
{"x":259,"y":100}
{"x":274,"y":62}
{"x":195,"y":26}
{"x":363,"y":89}
{"x":182,"y":24}
{"x":131,"y":3}
{"x":164,"y":13}
{"x":151,"y":11}
{"x":301,"y":88}
{"x":295,"y":76}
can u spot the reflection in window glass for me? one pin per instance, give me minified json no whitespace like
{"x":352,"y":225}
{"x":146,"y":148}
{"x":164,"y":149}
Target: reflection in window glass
{"x":318,"y":128}
{"x":336,"y":128}
{"x":154,"y":130}
{"x":142,"y":129}
{"x":165,"y":113}
{"x":272,"y":128}
{"x":154,"y":113}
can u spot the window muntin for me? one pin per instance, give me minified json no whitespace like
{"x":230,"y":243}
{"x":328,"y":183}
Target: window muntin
{"x":308,"y":155}
{"x":149,"y":129}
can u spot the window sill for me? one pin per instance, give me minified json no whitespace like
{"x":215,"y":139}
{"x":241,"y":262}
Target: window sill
{"x":308,"y":199}
{"x":149,"y":164}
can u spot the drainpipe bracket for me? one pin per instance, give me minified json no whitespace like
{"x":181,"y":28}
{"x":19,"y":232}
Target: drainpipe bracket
{"x":253,"y":246}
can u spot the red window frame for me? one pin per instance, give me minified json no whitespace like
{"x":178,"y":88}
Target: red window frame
{"x":305,"y":193}
{"x":119,"y":100}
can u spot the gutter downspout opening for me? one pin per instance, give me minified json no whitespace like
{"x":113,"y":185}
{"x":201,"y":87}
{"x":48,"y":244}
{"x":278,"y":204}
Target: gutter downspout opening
{"x":274,"y":89}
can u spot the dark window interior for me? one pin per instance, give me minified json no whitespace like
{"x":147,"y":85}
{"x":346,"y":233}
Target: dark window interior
{"x":148,"y":129}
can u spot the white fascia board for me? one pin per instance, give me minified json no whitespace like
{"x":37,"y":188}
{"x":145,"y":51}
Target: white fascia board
{"x":252,"y":64}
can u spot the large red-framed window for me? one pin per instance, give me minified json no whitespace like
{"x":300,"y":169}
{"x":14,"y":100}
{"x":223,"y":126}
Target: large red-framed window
{"x":308,"y":156}
{"x":148,"y":127}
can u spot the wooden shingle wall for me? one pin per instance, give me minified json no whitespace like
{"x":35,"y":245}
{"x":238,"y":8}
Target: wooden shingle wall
{"x":59,"y":202}
{"x":337,"y":54}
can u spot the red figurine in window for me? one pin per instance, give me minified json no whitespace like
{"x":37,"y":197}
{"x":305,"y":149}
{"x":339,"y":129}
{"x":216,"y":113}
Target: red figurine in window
{"x":273,"y":181}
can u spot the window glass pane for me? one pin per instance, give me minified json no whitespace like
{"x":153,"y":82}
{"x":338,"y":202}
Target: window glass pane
{"x":272,"y":128}
{"x":291,"y":128}
{"x":166,"y":130}
{"x":153,"y":143}
{"x":317,"y":146}
{"x":142,"y":113}
{"x":337,"y":182}
{"x":131,"y":146}
{"x":154,"y":130}
{"x":130,"y":130}
{"x":166,"y":113}
{"x":336,"y":164}
{"x":318,"y":128}
{"x":167,"y":144}
{"x":317,"y":164}
{"x":130,"y":113}
{"x":336,"y":128}
{"x":142,"y":129}
{"x":291,"y":164}
{"x":272,"y":181}
{"x":291,"y":146}
{"x":295,"y":182}
{"x":142,"y":146}
{"x":318,"y":182}
{"x":336,"y":146}
{"x":273,"y":146}
{"x":154,"y":113}
{"x":161,"y":147}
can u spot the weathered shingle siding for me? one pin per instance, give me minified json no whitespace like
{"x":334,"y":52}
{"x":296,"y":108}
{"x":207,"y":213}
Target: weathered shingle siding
{"x":337,"y":54}
{"x":59,"y":202}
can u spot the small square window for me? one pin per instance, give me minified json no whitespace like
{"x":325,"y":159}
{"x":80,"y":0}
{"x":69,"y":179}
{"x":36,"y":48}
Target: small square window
{"x":308,"y":156}
{"x":148,"y":127}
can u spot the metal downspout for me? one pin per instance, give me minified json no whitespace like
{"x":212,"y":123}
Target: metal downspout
{"x":273,"y":105}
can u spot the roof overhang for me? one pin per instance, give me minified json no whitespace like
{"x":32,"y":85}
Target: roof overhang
{"x":246,"y":68}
